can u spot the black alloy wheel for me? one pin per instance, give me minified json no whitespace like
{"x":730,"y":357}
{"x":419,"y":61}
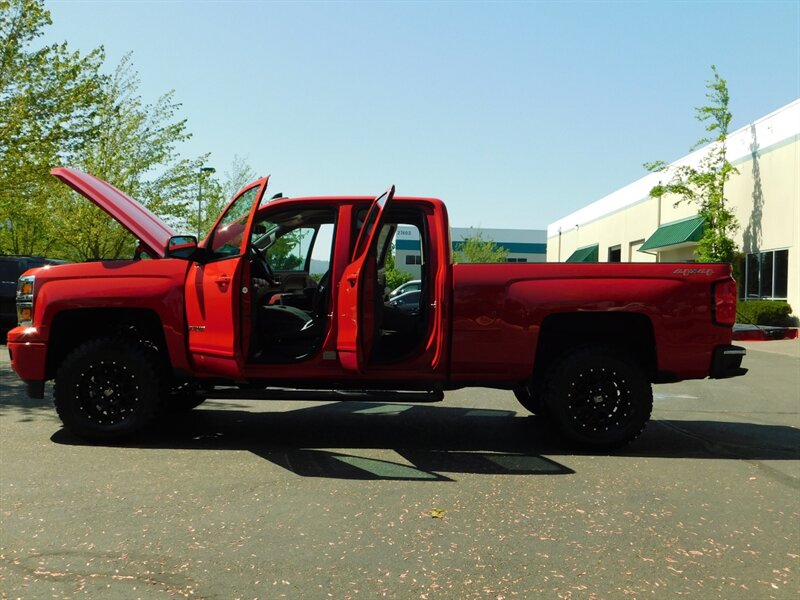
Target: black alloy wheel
{"x":107,"y":389}
{"x":599,"y":400}
{"x":599,"y":397}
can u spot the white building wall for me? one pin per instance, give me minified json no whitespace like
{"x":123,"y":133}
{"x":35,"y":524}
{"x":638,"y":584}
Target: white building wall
{"x":765,"y":195}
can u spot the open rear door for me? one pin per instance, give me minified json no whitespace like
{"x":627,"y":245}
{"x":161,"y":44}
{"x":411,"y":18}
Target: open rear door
{"x":357,"y":291}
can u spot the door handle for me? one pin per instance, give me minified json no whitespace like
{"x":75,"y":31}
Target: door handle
{"x":351,"y":279}
{"x":222,"y":280}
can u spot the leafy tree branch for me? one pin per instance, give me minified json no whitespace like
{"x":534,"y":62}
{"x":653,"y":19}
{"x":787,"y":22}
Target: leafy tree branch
{"x":704,"y":185}
{"x":476,"y":249}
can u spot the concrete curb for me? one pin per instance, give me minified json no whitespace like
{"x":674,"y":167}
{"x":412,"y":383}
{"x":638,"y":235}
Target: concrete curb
{"x":763,"y":333}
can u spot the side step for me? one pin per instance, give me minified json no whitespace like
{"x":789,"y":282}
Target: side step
{"x":272,"y":393}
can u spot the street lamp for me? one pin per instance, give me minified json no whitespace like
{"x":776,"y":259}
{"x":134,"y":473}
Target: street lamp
{"x":203,"y":171}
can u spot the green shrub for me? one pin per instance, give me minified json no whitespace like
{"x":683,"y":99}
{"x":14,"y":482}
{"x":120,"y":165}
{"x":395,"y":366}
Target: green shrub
{"x":395,"y":279}
{"x":764,"y":312}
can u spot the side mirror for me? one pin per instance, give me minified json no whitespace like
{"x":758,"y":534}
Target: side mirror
{"x":182,"y":246}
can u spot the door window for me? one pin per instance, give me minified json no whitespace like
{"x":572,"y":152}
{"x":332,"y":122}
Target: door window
{"x":303,"y":249}
{"x":226,"y":239}
{"x":296,"y":241}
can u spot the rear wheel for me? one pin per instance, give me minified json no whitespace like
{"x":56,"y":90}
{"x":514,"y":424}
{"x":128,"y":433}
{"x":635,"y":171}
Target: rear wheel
{"x":599,"y":398}
{"x":107,"y":389}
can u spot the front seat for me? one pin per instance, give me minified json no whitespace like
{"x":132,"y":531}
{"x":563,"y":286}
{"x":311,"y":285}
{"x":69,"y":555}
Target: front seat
{"x":280,"y":323}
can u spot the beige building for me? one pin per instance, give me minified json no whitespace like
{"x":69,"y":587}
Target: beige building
{"x":629,"y":226}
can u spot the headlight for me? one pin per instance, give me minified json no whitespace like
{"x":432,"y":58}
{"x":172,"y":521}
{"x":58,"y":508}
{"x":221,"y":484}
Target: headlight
{"x":25,"y":300}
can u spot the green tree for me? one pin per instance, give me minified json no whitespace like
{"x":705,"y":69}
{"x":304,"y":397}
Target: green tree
{"x":216,"y":194}
{"x":394,"y":277}
{"x":287,"y":252}
{"x":704,"y":185}
{"x":476,"y":249}
{"x":208,"y":206}
{"x":48,"y":104}
{"x":134,"y":149}
{"x":238,"y":175}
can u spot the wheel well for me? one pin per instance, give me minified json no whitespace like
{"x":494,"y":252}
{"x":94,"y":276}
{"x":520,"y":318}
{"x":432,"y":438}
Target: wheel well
{"x":630,"y":332}
{"x":74,"y":327}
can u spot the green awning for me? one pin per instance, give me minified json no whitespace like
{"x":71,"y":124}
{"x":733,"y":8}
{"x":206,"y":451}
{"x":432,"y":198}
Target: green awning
{"x":587,"y":254}
{"x":686,"y":231}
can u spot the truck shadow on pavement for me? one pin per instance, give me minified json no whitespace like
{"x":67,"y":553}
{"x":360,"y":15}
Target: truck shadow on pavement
{"x":435,"y":440}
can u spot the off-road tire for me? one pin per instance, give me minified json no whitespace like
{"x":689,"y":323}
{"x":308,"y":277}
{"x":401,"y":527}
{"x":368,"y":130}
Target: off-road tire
{"x":598,"y":397}
{"x":107,"y":389}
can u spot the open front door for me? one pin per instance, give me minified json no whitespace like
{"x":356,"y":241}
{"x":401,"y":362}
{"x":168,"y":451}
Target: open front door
{"x":357,"y":291}
{"x":215,"y":288}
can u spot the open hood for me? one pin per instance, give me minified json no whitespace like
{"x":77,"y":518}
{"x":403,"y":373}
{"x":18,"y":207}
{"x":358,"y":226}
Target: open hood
{"x":134,"y":217}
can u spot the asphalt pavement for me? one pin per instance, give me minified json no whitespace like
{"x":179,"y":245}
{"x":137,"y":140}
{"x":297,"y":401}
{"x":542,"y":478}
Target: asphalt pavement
{"x":467,"y":498}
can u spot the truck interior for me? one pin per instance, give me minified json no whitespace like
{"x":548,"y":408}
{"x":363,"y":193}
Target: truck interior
{"x":290,"y":264}
{"x":290,"y":257}
{"x":399,"y":332}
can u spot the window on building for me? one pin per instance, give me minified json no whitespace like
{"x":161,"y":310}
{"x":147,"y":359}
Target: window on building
{"x":765,"y":275}
{"x":516,"y":260}
{"x":615,"y":253}
{"x":413,"y":259}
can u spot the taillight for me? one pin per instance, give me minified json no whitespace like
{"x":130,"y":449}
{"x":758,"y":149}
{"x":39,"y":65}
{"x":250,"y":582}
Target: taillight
{"x":725,"y":302}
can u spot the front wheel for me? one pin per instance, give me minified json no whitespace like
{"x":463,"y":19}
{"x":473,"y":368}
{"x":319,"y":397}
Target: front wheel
{"x":599,"y":398}
{"x":107,"y":389}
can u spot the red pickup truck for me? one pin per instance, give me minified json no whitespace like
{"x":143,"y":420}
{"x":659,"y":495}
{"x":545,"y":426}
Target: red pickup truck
{"x":290,"y":293}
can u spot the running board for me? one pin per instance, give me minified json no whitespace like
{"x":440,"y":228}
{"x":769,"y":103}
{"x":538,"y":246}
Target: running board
{"x":324,"y":395}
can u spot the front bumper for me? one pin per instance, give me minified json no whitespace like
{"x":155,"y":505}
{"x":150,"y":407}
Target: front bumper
{"x":28,"y":354}
{"x":727,"y":362}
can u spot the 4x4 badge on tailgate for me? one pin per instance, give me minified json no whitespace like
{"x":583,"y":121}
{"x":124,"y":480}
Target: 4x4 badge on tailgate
{"x":685,"y":272}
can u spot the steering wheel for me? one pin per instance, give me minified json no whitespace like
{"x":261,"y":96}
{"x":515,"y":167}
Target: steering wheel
{"x":262,"y":264}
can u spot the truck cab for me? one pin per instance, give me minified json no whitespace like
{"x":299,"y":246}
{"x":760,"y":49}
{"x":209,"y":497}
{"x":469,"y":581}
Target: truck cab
{"x":294,"y":289}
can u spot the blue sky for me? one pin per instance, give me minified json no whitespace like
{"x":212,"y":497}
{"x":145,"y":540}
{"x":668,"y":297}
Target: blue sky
{"x":515,"y":114}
